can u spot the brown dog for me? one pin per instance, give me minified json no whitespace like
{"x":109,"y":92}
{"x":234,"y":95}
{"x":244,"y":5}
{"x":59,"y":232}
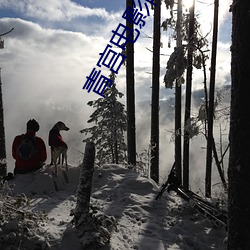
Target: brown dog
{"x":57,"y":145}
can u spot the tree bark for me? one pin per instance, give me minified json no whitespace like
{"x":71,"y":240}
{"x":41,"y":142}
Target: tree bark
{"x":188,"y":97}
{"x":81,"y":215}
{"x":218,"y":164}
{"x":93,"y":229}
{"x":154,"y":168}
{"x":130,"y":82}
{"x":178,"y":91}
{"x":3,"y":161}
{"x":116,"y":152}
{"x":239,"y":159}
{"x":211,"y":102}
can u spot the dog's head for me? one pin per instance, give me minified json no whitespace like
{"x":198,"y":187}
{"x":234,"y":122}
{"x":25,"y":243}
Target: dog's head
{"x":61,"y":126}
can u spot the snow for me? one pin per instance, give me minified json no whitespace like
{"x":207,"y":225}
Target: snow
{"x":141,"y":221}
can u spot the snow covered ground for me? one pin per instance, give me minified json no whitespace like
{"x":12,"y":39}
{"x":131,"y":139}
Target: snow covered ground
{"x":141,"y":221}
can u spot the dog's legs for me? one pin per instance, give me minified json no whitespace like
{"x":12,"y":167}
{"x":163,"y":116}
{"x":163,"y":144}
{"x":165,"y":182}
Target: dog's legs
{"x":66,"y":161}
{"x":59,"y":159}
{"x":57,"y":152}
{"x":63,"y":157}
{"x":55,"y":158}
{"x":64,"y":172}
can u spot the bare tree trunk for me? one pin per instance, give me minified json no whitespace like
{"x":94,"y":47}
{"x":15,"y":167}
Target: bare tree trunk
{"x":93,"y":231}
{"x":188,"y":98}
{"x":178,"y":160}
{"x":218,"y":164}
{"x":3,"y":161}
{"x":211,"y":102}
{"x":154,"y":168}
{"x":130,"y":82}
{"x":239,"y":159}
{"x":116,"y":152}
{"x":81,"y":215}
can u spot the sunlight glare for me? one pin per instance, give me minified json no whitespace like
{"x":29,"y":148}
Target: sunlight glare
{"x":188,"y":3}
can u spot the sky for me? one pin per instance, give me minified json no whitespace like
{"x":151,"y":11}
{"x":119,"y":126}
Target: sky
{"x":55,"y":45}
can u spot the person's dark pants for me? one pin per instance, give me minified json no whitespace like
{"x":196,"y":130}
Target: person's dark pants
{"x":25,"y":171}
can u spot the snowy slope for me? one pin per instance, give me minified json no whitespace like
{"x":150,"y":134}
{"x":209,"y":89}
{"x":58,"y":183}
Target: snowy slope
{"x":141,"y":221}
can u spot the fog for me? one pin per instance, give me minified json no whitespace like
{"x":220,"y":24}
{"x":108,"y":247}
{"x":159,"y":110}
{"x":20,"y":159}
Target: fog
{"x":44,"y":67}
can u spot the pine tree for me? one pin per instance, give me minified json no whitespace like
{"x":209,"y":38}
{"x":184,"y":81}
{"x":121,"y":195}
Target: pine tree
{"x":178,"y":93}
{"x":188,"y":53}
{"x":110,"y":120}
{"x":238,"y":170}
{"x":191,"y":26}
{"x":130,"y":89}
{"x":210,"y":138}
{"x":154,"y":167}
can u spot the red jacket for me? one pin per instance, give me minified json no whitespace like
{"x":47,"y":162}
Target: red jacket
{"x":55,"y":139}
{"x":37,"y":159}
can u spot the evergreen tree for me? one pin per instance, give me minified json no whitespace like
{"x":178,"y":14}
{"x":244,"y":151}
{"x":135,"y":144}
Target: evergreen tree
{"x":188,"y":53}
{"x":154,"y":167}
{"x":110,"y":120}
{"x":238,"y":170}
{"x":187,"y":116}
{"x":130,"y":89}
{"x":210,"y":120}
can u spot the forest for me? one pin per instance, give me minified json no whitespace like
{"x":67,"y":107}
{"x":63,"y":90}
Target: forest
{"x":207,"y":128}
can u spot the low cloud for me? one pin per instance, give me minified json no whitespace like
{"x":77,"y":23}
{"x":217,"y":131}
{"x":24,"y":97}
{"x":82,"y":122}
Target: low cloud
{"x":44,"y":68}
{"x":43,"y":72}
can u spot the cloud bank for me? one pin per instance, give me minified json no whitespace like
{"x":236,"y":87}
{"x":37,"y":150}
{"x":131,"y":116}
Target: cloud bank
{"x":51,"y":51}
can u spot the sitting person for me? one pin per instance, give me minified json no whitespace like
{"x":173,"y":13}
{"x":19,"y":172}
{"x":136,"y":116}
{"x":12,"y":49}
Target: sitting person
{"x":28,"y":150}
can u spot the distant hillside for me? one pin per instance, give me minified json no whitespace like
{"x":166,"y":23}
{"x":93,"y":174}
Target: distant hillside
{"x":167,"y":106}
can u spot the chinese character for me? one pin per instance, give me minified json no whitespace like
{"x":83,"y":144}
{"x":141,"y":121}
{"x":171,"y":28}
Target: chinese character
{"x":123,"y":37}
{"x":114,"y":57}
{"x":92,"y":79}
{"x":111,"y":59}
{"x":134,"y":16}
{"x":141,"y":6}
{"x":103,"y":80}
{"x":151,"y":1}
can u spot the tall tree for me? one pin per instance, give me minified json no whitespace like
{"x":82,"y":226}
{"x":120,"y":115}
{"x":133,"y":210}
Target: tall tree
{"x":130,"y":85}
{"x":210,"y":139}
{"x":154,"y":168}
{"x":110,"y":125}
{"x":188,"y":96}
{"x":176,"y":66}
{"x":3,"y":162}
{"x":239,"y":159}
{"x":178,"y":155}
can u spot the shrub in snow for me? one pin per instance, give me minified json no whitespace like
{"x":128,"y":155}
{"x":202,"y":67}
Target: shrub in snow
{"x":20,"y":228}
